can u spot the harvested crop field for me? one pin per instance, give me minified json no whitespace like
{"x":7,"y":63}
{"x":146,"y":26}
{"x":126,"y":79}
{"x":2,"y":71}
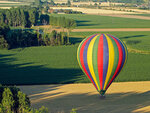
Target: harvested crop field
{"x":5,"y":7}
{"x":8,"y":2}
{"x":123,"y":97}
{"x":94,"y":11}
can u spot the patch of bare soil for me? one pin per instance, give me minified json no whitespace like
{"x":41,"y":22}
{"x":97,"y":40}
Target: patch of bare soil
{"x":123,"y":97}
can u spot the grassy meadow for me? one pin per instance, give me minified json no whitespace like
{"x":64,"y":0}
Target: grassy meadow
{"x":142,"y":14}
{"x":98,"y":21}
{"x":50,"y":65}
{"x":136,"y":40}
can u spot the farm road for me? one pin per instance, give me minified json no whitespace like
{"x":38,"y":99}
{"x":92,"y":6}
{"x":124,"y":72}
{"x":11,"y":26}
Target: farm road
{"x":123,"y":97}
{"x":111,"y":29}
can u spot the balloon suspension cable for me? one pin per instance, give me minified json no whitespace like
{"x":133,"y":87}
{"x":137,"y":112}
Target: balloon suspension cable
{"x":102,"y":94}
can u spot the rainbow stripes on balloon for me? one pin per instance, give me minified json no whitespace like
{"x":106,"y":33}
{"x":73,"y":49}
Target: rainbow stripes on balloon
{"x":101,"y":57}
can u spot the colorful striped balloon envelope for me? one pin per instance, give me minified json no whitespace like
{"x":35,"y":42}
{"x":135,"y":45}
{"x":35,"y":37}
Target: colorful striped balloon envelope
{"x":101,"y":57}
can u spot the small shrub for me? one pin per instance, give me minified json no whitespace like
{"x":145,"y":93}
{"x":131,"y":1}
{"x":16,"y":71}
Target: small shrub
{"x":73,"y":110}
{"x":3,"y":43}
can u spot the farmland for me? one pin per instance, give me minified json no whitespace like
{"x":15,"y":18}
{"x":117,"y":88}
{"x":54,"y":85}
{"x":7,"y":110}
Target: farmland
{"x":8,"y":4}
{"x":98,"y":21}
{"x":42,"y":61}
{"x":95,"y":11}
{"x":124,"y":97}
{"x":45,"y":65}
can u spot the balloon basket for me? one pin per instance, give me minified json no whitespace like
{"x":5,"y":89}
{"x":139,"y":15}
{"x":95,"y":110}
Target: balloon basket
{"x":102,"y":92}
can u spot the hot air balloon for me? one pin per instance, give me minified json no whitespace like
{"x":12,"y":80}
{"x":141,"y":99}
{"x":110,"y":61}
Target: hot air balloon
{"x":101,"y":57}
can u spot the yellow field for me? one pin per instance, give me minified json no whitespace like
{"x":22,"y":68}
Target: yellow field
{"x":130,"y":9}
{"x":94,"y":11}
{"x":8,"y":2}
{"x":124,"y":97}
{"x":5,"y":7}
{"x":92,"y":3}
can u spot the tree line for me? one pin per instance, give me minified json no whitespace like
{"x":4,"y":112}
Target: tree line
{"x":28,"y":37}
{"x":60,"y":21}
{"x":25,"y":16}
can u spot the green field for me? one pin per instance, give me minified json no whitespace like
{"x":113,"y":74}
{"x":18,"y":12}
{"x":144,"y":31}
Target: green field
{"x":50,"y":65}
{"x":142,"y":14}
{"x":136,"y":40}
{"x":97,"y":21}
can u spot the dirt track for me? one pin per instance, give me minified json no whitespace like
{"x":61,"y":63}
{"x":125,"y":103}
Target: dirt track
{"x":112,"y":29}
{"x":125,"y":97}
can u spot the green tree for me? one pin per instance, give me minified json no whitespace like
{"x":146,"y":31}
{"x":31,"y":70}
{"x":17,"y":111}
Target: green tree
{"x":2,"y":109}
{"x":23,"y":18}
{"x":62,"y":38}
{"x":63,"y":22}
{"x":14,"y":15}
{"x":37,"y":2}
{"x":4,"y":29}
{"x":8,"y":101}
{"x":52,"y":3}
{"x":68,"y":3}
{"x":9,"y":18}
{"x":58,"y":38}
{"x":53,"y":37}
{"x":3,"y":43}
{"x":24,"y":102}
{"x":70,"y":24}
{"x":2,"y":18}
{"x":44,"y":19}
{"x":33,"y":16}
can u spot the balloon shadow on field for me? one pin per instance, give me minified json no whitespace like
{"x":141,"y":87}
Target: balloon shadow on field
{"x":87,"y":103}
{"x":30,"y":74}
{"x":74,"y":40}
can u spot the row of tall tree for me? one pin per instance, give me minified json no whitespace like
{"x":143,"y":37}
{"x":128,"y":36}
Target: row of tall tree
{"x":62,"y":22}
{"x":59,"y":21}
{"x":28,"y":37}
{"x":25,"y":16}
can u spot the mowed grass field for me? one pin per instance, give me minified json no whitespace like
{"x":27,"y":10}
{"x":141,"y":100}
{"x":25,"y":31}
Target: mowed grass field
{"x":98,"y":21}
{"x":136,"y":40}
{"x":51,"y":65}
{"x":142,"y":14}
